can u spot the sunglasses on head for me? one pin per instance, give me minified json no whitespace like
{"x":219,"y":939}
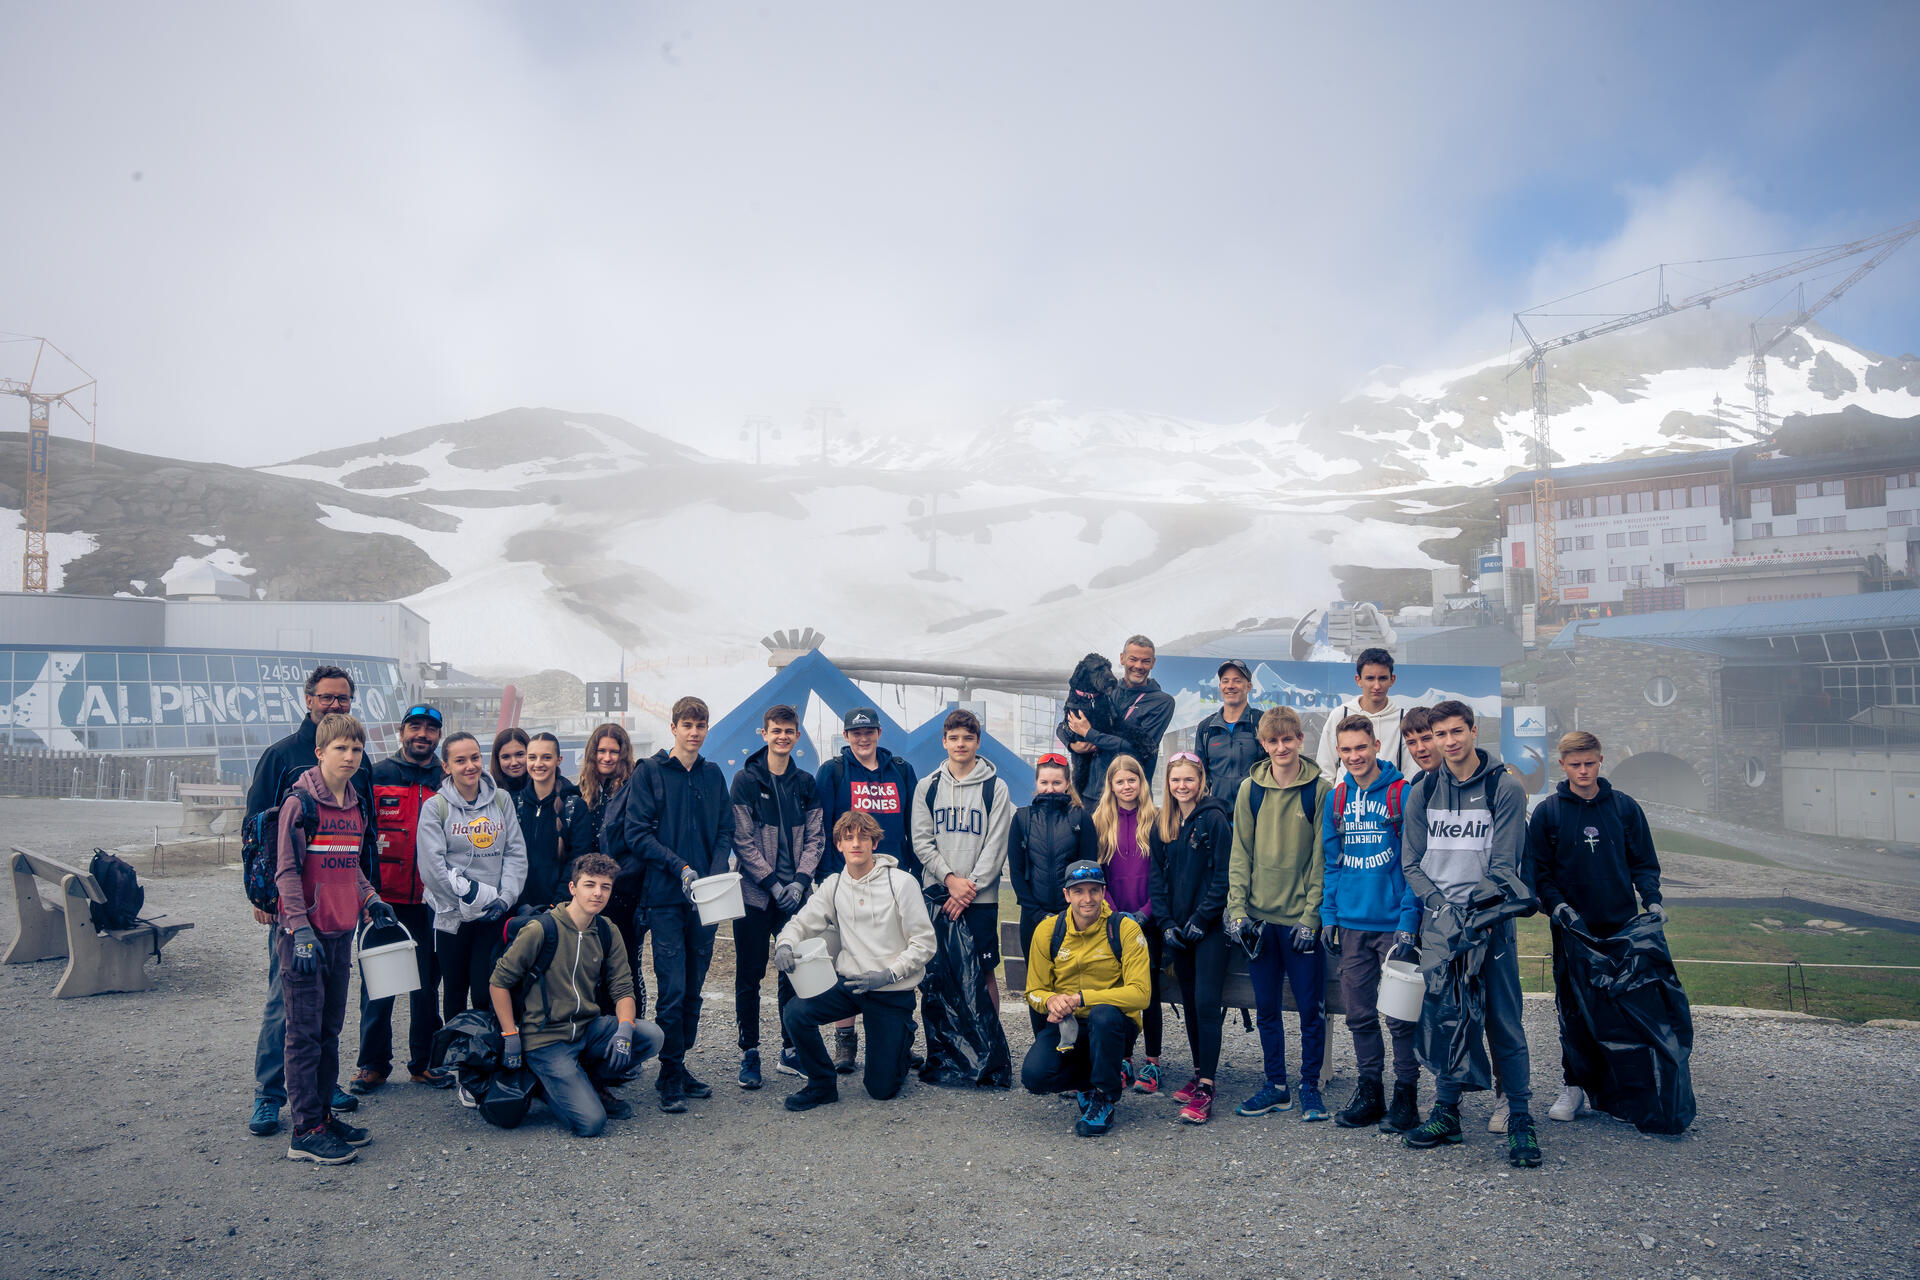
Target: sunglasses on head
{"x":1052,"y":758}
{"x":1094,"y":874}
{"x":1184,"y":755}
{"x":421,"y":713}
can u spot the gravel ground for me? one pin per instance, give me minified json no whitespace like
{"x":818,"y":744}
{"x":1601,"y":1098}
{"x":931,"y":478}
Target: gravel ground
{"x":123,"y":1122}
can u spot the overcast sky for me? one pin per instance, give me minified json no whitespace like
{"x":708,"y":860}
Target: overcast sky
{"x":267,"y":228}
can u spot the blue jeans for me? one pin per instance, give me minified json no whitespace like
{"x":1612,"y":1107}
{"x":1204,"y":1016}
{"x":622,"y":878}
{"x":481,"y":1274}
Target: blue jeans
{"x":572,"y":1071}
{"x":270,"y":1053}
{"x":1307,"y":975}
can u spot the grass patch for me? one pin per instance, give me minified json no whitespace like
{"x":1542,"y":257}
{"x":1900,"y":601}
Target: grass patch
{"x":1725,"y":933}
{"x":1701,"y":847}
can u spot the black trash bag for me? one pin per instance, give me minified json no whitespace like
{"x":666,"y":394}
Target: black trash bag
{"x":1625,"y":1024}
{"x":1450,"y":1040}
{"x":966,"y":1045}
{"x":470,"y":1044}
{"x":507,"y":1096}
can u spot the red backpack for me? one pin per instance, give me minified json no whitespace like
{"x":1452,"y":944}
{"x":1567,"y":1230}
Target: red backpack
{"x":1395,"y":815}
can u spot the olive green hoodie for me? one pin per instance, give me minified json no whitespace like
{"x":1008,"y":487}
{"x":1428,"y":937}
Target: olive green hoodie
{"x":1275,"y":872}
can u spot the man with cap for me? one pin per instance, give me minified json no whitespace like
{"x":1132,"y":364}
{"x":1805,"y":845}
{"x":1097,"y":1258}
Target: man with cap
{"x":402,"y":783}
{"x":865,"y":778}
{"x":1089,"y":976}
{"x":1228,"y":741}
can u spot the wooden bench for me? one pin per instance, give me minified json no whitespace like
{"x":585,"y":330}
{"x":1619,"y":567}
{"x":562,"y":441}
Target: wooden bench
{"x":97,"y":961}
{"x":202,"y":802}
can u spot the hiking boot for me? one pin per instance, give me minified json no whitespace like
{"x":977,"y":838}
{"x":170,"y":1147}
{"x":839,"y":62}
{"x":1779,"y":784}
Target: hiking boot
{"x":1099,"y":1117}
{"x":812,"y":1096}
{"x":1184,"y":1094}
{"x":266,"y":1119}
{"x":1523,"y":1145}
{"x":1442,"y":1126}
{"x":616,"y":1107}
{"x":342,"y":1101}
{"x":1271,"y":1098}
{"x":1311,"y":1107}
{"x":694,"y":1088}
{"x":789,"y":1064}
{"x":750,"y":1069}
{"x":1502,"y":1110}
{"x":1404,"y":1112}
{"x":1148,"y":1081}
{"x":1199,"y":1108}
{"x":433,"y":1078}
{"x":673,"y":1101}
{"x":846,"y":1049}
{"x":1571,"y":1104}
{"x":1081,"y":1099}
{"x":1367,"y":1105}
{"x":320,"y":1145}
{"x":351,"y":1134}
{"x":1126,"y":1074}
{"x":366,"y":1080}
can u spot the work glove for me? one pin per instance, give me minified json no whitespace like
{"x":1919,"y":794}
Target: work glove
{"x":1305,"y":937}
{"x":1404,"y":947}
{"x":1171,"y":936}
{"x":510,"y":1055}
{"x":783,"y":958}
{"x":496,"y":911}
{"x":1657,"y":911}
{"x":687,"y":877}
{"x":1193,"y":932}
{"x":380,"y":913}
{"x":1567,"y":916}
{"x":306,"y":951}
{"x":789,"y":895}
{"x":1331,"y":937}
{"x":620,"y":1049}
{"x":872,"y":980}
{"x":1233,"y":930}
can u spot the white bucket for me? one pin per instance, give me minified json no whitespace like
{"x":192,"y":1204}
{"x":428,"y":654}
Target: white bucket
{"x":719,"y":897}
{"x":1402,"y":991}
{"x":388,"y":969}
{"x":813,"y":973}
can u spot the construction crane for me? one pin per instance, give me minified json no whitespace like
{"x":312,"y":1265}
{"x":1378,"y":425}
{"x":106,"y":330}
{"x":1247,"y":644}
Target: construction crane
{"x":40,"y":402}
{"x":1547,"y":560}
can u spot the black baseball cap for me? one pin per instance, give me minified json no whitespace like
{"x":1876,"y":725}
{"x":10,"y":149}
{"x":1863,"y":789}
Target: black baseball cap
{"x":860,"y":718}
{"x":1234,"y":664}
{"x":1085,"y":871}
{"x":421,"y":712}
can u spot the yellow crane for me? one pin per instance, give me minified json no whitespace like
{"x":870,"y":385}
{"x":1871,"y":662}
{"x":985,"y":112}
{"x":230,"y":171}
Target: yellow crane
{"x":40,"y":402}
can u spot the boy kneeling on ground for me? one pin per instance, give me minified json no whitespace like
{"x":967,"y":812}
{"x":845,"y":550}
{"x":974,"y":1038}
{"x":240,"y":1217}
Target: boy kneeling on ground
{"x":886,"y":938}
{"x":579,"y":1053}
{"x":1089,"y":975}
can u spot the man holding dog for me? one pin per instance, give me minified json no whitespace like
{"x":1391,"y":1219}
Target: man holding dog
{"x":1137,"y":713}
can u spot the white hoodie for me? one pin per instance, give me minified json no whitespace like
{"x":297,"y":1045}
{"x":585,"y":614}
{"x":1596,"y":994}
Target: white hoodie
{"x":878,"y":921}
{"x":1386,"y":727}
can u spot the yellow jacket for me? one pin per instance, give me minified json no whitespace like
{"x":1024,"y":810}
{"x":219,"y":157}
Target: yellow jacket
{"x":1086,"y":967}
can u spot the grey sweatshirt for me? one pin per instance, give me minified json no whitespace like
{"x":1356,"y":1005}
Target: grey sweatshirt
{"x":461,"y":845}
{"x":1451,"y":841}
{"x":956,"y":832}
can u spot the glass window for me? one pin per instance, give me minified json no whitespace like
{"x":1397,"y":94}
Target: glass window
{"x":1669,"y":535}
{"x":1832,"y":488}
{"x":200,"y":735}
{"x":29,"y":665}
{"x":1663,"y":499}
{"x":1762,"y":529}
{"x":164,"y":667}
{"x":1696,"y":533}
{"x":1808,"y":490}
{"x":1639,"y":537}
{"x":1870,"y":646}
{"x":1616,"y":540}
{"x":1697,"y":496}
{"x":193,"y":668}
{"x":1616,"y":573}
{"x":1713,"y":496}
{"x":1811,"y":647}
{"x":1660,"y":692}
{"x":1840,"y":645}
{"x":99,"y":668}
{"x":169,"y":737}
{"x":1834,"y":524}
{"x":246,"y":669}
{"x":1583,"y":575}
{"x":220,"y":668}
{"x":137,"y":738}
{"x":1899,"y":519}
{"x":228,"y":735}
{"x":133,"y":667}
{"x":1583,"y":543}
{"x":1902,"y":643}
{"x":1807,"y":526}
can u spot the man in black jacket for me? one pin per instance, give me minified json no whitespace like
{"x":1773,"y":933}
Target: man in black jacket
{"x":680,"y":820}
{"x":1228,"y":741}
{"x":1590,"y":851}
{"x":1140,"y":712}
{"x":329,"y":689}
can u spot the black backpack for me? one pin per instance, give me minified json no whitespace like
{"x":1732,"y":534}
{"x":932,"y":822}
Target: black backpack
{"x":550,"y":947}
{"x":260,"y":849}
{"x":1256,"y":796}
{"x":1060,"y":935}
{"x":125,"y":897}
{"x":934,"y":785}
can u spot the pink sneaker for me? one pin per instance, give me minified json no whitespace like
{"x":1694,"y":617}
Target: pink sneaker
{"x":1184,"y":1094}
{"x":1199,"y":1108}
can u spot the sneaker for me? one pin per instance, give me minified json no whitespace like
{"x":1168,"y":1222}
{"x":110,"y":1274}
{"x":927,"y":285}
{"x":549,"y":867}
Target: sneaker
{"x":467,"y":1100}
{"x":1081,"y":1099}
{"x":1523,"y":1145}
{"x":266,"y":1119}
{"x":343,"y":1101}
{"x":1311,"y":1107}
{"x":1271,"y":1098}
{"x":1098,"y":1118}
{"x":672,"y":1101}
{"x":1148,"y":1081}
{"x":750,"y":1069}
{"x":319,"y":1145}
{"x":366,"y":1080}
{"x":1502,"y":1110}
{"x":789,"y":1064}
{"x":1199,"y":1108}
{"x":351,"y":1134}
{"x":1126,"y":1074}
{"x":694,"y":1088}
{"x":846,"y":1049}
{"x":1403,"y":1113}
{"x":1571,"y":1104}
{"x":433,"y":1078}
{"x":1368,"y":1104}
{"x":812,"y":1096}
{"x":616,"y":1107}
{"x":1442,"y":1126}
{"x":1184,"y":1094}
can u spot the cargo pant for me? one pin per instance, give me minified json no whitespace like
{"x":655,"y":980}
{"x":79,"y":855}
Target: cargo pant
{"x":682,"y":950}
{"x":316,"y":1005}
{"x":1361,"y":955}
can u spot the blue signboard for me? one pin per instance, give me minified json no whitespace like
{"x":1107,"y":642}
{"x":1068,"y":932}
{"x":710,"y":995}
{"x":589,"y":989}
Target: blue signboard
{"x":37,"y":451}
{"x":1490,"y":564}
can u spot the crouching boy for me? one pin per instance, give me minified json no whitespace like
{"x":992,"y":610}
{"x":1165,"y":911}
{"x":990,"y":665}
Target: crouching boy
{"x":560,"y":964}
{"x":885,"y":938}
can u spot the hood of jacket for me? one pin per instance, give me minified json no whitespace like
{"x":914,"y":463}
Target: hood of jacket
{"x":1262,"y":775}
{"x":314,"y":785}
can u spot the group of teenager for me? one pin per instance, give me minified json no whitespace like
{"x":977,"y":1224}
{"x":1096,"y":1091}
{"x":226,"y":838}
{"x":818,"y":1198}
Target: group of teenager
{"x":530,"y":896}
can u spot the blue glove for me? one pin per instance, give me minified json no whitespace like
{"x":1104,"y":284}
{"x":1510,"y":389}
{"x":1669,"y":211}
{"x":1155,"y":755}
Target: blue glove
{"x":306,"y":951}
{"x":1305,"y":937}
{"x":510,"y":1056}
{"x":687,"y":876}
{"x":620,"y":1050}
{"x":872,"y":980}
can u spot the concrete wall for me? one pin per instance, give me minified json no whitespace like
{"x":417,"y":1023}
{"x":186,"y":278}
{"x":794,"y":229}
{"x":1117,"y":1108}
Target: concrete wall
{"x":1760,"y":589}
{"x":51,"y":620}
{"x":1855,"y":795}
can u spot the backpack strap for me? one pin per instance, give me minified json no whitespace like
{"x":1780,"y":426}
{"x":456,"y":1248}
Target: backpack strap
{"x":543,"y":959}
{"x":1309,"y":799}
{"x":1059,"y":935}
{"x":1113,"y":935}
{"x":1396,"y":804}
{"x":1339,"y":807}
{"x":1256,"y":795}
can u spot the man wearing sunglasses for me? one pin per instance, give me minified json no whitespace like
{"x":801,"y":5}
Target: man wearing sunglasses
{"x":402,"y":783}
{"x":329,"y":689}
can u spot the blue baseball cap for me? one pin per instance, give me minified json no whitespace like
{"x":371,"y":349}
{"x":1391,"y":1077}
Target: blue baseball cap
{"x":1085,"y":871}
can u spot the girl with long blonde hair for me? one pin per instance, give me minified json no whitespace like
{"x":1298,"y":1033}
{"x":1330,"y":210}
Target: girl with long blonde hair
{"x":1122,"y":823}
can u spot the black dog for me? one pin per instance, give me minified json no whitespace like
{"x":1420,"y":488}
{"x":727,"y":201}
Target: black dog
{"x":1088,"y":689}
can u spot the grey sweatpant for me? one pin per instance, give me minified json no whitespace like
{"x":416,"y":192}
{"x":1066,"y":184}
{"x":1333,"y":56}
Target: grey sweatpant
{"x":1499,"y":980}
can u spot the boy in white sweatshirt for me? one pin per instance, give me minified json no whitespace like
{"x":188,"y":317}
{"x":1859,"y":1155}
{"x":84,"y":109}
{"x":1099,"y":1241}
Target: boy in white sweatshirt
{"x":875,"y":912}
{"x":962,"y":816}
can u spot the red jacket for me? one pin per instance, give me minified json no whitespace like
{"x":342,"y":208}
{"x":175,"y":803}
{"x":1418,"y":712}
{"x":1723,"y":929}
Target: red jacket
{"x":400,"y":788}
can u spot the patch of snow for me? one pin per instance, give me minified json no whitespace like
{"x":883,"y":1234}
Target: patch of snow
{"x":62,"y":550}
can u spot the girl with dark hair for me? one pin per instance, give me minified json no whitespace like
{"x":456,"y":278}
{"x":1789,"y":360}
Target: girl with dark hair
{"x":605,"y":765}
{"x":509,"y":767}
{"x":555,"y":821}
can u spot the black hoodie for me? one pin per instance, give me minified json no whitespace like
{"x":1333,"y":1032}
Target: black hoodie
{"x":1047,"y":835}
{"x":562,"y":816}
{"x":1187,"y":876}
{"x":1592,"y":855}
{"x":677,"y":819}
